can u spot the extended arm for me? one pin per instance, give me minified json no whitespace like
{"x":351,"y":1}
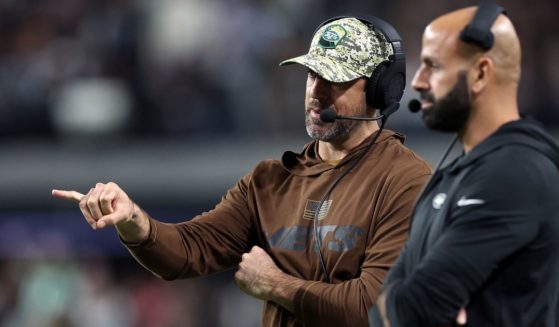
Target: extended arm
{"x":208,"y":243}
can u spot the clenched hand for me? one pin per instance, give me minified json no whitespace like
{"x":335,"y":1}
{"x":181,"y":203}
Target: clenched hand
{"x":260,"y":277}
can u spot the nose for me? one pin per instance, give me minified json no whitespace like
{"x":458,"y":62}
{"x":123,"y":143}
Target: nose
{"x":420,"y":80}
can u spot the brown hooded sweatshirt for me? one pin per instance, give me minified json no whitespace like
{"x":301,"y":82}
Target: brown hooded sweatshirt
{"x":363,"y":226}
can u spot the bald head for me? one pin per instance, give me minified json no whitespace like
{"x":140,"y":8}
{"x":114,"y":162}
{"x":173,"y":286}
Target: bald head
{"x":505,"y":52}
{"x":462,"y":86}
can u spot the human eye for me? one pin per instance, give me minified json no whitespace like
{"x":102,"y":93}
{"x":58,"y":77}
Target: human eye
{"x":312,"y":74}
{"x":432,"y":64}
{"x":342,"y":86}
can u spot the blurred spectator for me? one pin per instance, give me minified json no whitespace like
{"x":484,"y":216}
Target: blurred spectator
{"x":193,"y":67}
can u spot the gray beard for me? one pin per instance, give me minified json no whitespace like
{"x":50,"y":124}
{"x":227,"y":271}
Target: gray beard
{"x":338,"y":130}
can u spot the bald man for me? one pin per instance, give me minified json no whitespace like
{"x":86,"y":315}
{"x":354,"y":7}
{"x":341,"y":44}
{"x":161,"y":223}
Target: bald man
{"x":484,"y":243}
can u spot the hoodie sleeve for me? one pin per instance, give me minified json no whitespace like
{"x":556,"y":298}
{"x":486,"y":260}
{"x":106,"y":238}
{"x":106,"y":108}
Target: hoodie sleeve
{"x":497,"y":211}
{"x":210,"y":242}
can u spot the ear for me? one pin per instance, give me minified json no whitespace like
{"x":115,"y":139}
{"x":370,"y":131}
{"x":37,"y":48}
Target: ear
{"x":481,"y":73}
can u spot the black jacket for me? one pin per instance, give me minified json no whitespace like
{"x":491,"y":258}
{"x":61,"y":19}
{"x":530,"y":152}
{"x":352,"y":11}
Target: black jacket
{"x":485,"y":236}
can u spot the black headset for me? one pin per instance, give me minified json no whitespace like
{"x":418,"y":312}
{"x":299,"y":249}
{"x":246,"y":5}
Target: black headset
{"x":478,"y":31}
{"x":385,"y":87}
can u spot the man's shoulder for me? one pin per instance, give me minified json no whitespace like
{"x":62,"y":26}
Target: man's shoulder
{"x":268,"y":166}
{"x":400,"y":157}
{"x":514,"y":159}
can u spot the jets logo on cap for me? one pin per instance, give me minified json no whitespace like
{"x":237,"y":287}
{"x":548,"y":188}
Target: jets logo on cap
{"x":331,"y":36}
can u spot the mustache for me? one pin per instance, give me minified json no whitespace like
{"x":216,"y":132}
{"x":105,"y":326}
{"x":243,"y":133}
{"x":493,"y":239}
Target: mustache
{"x":315,"y":104}
{"x":427,"y":96}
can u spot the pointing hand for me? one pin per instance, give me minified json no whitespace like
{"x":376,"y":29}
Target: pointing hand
{"x":105,"y":205}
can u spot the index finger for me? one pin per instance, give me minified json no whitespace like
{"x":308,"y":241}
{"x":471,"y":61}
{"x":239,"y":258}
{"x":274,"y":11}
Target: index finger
{"x":67,"y":195}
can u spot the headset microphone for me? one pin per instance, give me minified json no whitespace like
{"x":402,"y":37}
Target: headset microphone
{"x":330,"y":116}
{"x":414,"y":105}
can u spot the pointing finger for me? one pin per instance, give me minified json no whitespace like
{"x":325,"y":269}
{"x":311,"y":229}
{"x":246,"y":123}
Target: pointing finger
{"x":67,"y":195}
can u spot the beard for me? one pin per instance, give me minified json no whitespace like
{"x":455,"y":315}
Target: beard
{"x":451,"y":112}
{"x":328,"y":132}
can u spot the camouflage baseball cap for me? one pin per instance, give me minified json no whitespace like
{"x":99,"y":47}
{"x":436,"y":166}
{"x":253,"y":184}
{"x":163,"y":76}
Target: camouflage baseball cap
{"x":343,"y":50}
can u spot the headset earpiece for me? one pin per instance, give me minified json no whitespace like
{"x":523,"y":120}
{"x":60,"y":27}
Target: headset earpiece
{"x":375,"y":96}
{"x":478,"y":31}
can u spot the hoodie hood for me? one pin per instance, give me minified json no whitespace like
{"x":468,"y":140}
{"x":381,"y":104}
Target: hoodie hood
{"x":309,"y":163}
{"x":526,"y":132}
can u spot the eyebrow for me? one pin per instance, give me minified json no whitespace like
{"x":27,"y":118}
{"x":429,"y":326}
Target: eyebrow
{"x":428,"y":59}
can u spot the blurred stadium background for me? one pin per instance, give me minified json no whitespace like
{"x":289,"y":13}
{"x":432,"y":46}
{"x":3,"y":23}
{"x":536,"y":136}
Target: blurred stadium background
{"x":174,"y":100}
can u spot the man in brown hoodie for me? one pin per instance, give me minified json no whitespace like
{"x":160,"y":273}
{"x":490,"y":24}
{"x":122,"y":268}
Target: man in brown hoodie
{"x":312,"y":235}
